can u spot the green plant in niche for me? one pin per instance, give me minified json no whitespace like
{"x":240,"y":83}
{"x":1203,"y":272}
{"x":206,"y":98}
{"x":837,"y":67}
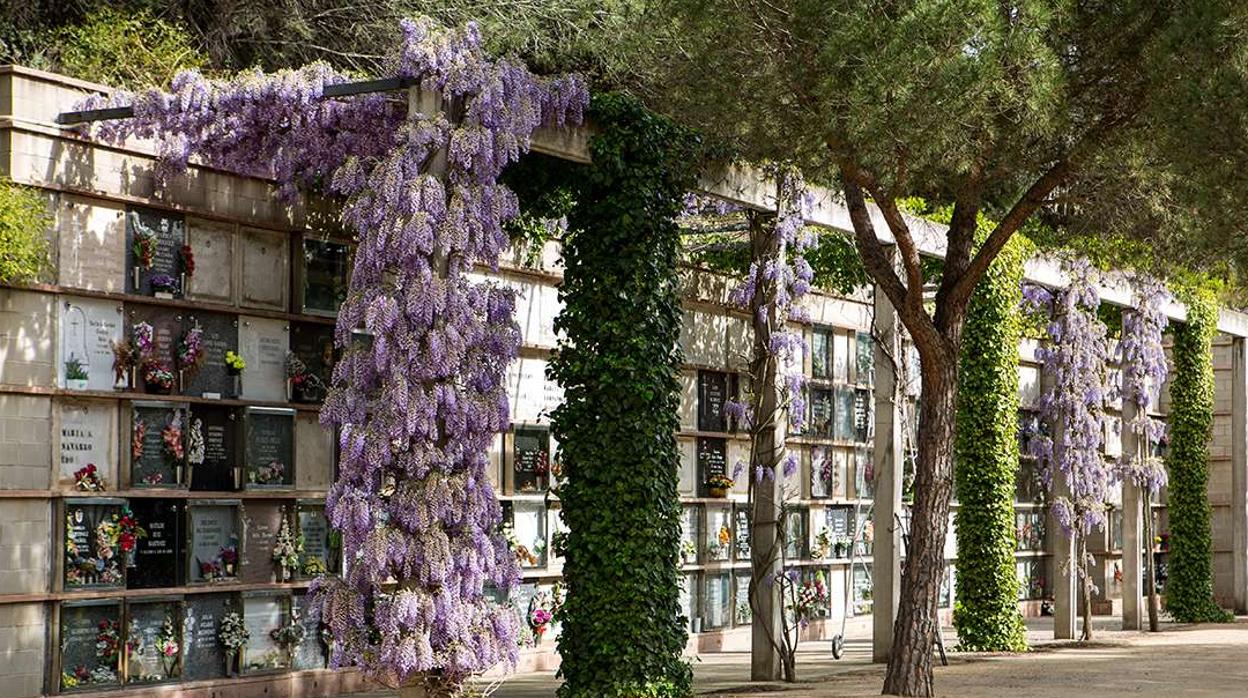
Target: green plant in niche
{"x":24,"y":219}
{"x":618,"y":364}
{"x":1189,"y":587}
{"x":986,"y":456}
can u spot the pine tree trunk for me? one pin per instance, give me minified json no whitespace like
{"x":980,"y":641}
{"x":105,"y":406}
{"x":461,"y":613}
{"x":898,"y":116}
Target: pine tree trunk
{"x":914,"y":632}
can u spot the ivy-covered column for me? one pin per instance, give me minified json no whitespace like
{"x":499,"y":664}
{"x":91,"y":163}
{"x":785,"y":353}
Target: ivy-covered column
{"x":985,"y":465}
{"x":1189,"y":587}
{"x":1239,"y":472}
{"x":618,"y":364}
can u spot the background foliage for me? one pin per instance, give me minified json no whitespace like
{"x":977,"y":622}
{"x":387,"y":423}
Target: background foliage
{"x":24,"y":220}
{"x":1189,"y":588}
{"x":618,"y":368}
{"x":985,"y":464}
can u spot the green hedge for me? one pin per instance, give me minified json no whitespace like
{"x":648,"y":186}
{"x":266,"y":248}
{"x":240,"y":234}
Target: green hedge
{"x":618,"y":366}
{"x":986,"y":460}
{"x":1189,"y":587}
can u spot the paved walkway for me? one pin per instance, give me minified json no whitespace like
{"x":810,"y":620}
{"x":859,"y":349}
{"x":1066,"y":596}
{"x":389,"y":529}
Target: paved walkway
{"x":1202,"y":660}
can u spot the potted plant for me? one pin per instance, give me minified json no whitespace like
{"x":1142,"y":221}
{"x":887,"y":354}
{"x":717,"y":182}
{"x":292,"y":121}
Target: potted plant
{"x":75,"y":374}
{"x":233,"y":636}
{"x":286,"y":550}
{"x":688,"y":552}
{"x":717,"y":486}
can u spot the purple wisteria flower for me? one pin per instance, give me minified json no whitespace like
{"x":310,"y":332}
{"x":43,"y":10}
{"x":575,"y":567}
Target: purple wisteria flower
{"x":417,"y":404}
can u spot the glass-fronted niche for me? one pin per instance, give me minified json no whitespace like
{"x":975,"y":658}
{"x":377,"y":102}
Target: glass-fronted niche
{"x":525,"y":523}
{"x":324,"y":269}
{"x":715,"y":389}
{"x":837,"y":472}
{"x":108,"y":643}
{"x":715,"y":533}
{"x":528,"y":451}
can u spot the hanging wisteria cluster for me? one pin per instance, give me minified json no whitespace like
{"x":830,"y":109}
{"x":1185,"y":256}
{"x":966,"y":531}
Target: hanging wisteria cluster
{"x":1144,"y":372}
{"x":1075,"y":357}
{"x":789,"y":274}
{"x":418,"y":399}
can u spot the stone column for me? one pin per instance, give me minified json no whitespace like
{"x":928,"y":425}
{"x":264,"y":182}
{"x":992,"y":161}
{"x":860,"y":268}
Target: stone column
{"x":888,"y":459}
{"x":1065,"y":571}
{"x":1133,"y":498}
{"x":1239,"y":472}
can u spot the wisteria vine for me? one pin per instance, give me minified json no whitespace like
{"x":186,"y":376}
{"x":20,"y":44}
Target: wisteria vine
{"x":1076,"y":357}
{"x":419,"y":399}
{"x":1144,"y":372}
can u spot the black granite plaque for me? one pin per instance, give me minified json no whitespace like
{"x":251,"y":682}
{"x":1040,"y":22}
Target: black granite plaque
{"x":205,"y":658}
{"x":212,"y":465}
{"x":157,"y":445}
{"x":531,"y":458}
{"x":313,"y":345}
{"x":159,"y":556}
{"x":845,"y":416}
{"x":712,"y":460}
{"x":326,"y":266}
{"x":261,"y":521}
{"x":211,"y":378}
{"x":88,"y":563}
{"x":168,"y":231}
{"x":154,"y":641}
{"x":213,"y":551}
{"x":318,"y":550}
{"x":90,"y":645}
{"x":268,"y":447}
{"x":865,"y":368}
{"x":712,"y":394}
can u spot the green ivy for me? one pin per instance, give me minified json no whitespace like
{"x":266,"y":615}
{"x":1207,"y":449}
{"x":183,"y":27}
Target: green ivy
{"x":833,"y":259}
{"x":986,"y":458}
{"x":1189,"y":587}
{"x":618,"y":364}
{"x":24,"y":219}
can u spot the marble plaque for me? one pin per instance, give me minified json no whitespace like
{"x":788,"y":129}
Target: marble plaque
{"x":261,"y":521}
{"x":310,"y":652}
{"x":263,"y":344}
{"x":169,"y":233}
{"x":92,"y":240}
{"x":211,"y":378}
{"x":205,"y":658}
{"x":265,"y":269}
{"x":89,"y":327}
{"x":532,"y":397}
{"x":160,"y":556}
{"x":262,"y":614}
{"x":88,"y":436}
{"x":213,"y":246}
{"x":315,"y":446}
{"x":84,"y":663}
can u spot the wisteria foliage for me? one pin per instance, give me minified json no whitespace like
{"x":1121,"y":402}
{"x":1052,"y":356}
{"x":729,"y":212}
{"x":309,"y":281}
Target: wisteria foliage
{"x":1076,"y":357}
{"x":792,"y":276}
{"x":418,"y":401}
{"x":1144,"y":372}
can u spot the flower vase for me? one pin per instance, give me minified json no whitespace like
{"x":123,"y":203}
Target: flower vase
{"x":229,"y":568}
{"x":76,"y":383}
{"x":181,"y":380}
{"x":133,"y":383}
{"x":717,"y":492}
{"x":182,"y":285}
{"x":130,"y":559}
{"x":290,"y":390}
{"x":238,"y":381}
{"x":178,"y":471}
{"x":238,"y":477}
{"x":285,"y":571}
{"x":134,"y":276}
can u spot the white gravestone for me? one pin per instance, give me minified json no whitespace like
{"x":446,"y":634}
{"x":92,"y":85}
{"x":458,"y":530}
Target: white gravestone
{"x":88,"y":329}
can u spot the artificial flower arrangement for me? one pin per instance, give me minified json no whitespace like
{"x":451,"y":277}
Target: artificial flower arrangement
{"x":143,"y":338}
{"x":144,"y":247}
{"x":544,"y":609}
{"x":137,"y":437}
{"x":171,"y":436}
{"x":123,"y":359}
{"x":229,"y":558}
{"x":233,"y":635}
{"x":157,"y":377}
{"x":164,"y":283}
{"x":116,"y":536}
{"x":290,"y":634}
{"x":271,"y":474}
{"x":718,"y":485}
{"x":186,"y":261}
{"x":810,"y":598}
{"x":234,"y":363}
{"x":287,"y":550}
{"x":305,"y":385}
{"x":314,"y":566}
{"x":168,"y":647}
{"x":191,"y":349}
{"x":209,"y":569}
{"x":87,"y":479}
